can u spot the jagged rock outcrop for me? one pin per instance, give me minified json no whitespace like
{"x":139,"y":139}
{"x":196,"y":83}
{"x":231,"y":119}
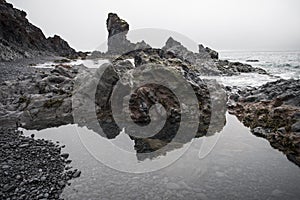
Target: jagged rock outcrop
{"x":116,"y":25}
{"x":39,"y":101}
{"x":213,"y":54}
{"x":272,"y":111}
{"x":117,"y":42}
{"x":146,"y":96}
{"x":21,"y":39}
{"x":183,"y":53}
{"x":206,"y":61}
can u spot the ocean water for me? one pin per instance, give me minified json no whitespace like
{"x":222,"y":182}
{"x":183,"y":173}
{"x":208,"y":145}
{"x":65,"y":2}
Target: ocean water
{"x":283,"y":65}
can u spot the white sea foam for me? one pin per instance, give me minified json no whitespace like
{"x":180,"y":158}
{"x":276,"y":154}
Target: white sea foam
{"x":88,"y":63}
{"x":285,"y":65}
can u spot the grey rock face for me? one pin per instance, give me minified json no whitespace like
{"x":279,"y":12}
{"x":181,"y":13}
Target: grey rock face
{"x":212,"y":53}
{"x":20,"y":39}
{"x":115,"y":25}
{"x":207,"y":61}
{"x":145,"y":97}
{"x":39,"y":101}
{"x":118,"y":43}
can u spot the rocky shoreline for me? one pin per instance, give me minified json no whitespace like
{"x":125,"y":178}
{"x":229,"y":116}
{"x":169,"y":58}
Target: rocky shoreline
{"x":272,"y":111}
{"x":42,"y":98}
{"x":32,"y":168}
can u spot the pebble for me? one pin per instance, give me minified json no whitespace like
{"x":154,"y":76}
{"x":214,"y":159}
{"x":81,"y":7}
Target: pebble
{"x":61,"y":183}
{"x":18,"y":177}
{"x":65,"y":155}
{"x":76,"y":174}
{"x":46,"y":195}
{"x":5,"y":167}
{"x":173,"y":186}
{"x":24,"y":145}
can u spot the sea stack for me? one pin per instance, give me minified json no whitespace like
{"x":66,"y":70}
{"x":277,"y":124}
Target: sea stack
{"x":118,"y":43}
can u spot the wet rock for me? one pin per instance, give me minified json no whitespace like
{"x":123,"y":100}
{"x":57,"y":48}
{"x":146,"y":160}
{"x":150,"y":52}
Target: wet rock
{"x":39,"y":102}
{"x":27,"y":178}
{"x":252,"y":60}
{"x":296,"y":127}
{"x":143,"y":98}
{"x":65,"y":155}
{"x":76,"y":174}
{"x":5,"y":167}
{"x":272,"y":112}
{"x":259,"y":131}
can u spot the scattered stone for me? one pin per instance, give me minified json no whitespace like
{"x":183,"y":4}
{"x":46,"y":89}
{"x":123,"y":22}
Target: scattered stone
{"x":76,"y":174}
{"x":26,"y":179}
{"x":24,"y":145}
{"x":252,"y":60}
{"x":5,"y":167}
{"x":65,"y":155}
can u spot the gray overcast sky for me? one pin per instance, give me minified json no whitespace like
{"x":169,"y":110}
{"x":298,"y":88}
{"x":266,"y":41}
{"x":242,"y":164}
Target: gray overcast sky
{"x":219,"y":24}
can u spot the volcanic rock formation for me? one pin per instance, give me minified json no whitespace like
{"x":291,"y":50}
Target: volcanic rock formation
{"x":21,"y":39}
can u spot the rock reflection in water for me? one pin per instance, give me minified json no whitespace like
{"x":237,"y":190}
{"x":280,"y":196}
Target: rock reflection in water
{"x":140,"y":105}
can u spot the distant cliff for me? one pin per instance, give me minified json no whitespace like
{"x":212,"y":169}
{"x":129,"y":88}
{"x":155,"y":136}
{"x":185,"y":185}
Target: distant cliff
{"x":21,"y":39}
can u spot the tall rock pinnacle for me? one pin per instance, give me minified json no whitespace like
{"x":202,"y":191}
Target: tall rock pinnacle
{"x":115,"y":25}
{"x":118,"y":43}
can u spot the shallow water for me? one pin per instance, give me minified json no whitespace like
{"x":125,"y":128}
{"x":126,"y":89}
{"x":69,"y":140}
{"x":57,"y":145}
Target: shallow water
{"x":239,"y":166}
{"x":279,"y":65}
{"x":88,"y":63}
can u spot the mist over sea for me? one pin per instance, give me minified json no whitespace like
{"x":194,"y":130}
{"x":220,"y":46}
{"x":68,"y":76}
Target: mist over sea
{"x":285,"y":64}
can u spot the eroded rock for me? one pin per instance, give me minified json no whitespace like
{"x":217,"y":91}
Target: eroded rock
{"x":272,"y":111}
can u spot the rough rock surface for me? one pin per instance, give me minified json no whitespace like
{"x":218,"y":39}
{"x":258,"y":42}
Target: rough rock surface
{"x":39,"y":100}
{"x":20,"y":39}
{"x":117,"y":29}
{"x":272,"y":111}
{"x":44,"y":99}
{"x":206,"y":60}
{"x":32,"y":168}
{"x":142,"y":100}
{"x":115,"y":25}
